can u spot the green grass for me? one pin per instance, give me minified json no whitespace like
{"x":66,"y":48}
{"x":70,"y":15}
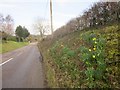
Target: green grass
{"x":11,"y":45}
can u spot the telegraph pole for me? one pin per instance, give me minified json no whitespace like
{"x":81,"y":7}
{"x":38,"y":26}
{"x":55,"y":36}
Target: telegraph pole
{"x":51,"y":16}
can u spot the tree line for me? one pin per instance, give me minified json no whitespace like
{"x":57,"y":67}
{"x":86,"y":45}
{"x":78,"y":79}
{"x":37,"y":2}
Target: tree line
{"x":7,"y":30}
{"x":100,"y":14}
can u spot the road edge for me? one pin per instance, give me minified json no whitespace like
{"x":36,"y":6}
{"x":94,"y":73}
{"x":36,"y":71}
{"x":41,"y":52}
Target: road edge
{"x":43,"y":68}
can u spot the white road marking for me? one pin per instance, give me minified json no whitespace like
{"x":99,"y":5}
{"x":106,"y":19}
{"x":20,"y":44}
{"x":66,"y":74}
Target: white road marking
{"x":6,"y":61}
{"x":9,"y":60}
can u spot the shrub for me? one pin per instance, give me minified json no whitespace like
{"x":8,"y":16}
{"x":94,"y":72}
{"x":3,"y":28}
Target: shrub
{"x":11,"y":38}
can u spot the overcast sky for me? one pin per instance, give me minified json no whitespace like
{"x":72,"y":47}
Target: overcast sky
{"x":24,"y":12}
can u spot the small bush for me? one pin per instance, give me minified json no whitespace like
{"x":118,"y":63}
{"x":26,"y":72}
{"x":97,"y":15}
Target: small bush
{"x":92,"y":54}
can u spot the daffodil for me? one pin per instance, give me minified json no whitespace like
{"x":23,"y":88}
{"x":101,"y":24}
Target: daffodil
{"x":93,"y":56}
{"x":94,"y":48}
{"x":90,"y":50}
{"x":95,"y":42}
{"x":94,"y":39}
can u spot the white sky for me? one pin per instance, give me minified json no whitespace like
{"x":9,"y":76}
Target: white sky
{"x":24,"y":12}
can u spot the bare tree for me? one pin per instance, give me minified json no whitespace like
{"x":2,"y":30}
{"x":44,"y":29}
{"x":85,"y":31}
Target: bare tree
{"x":6,"y":24}
{"x":1,"y":22}
{"x":41,"y":26}
{"x":9,"y":25}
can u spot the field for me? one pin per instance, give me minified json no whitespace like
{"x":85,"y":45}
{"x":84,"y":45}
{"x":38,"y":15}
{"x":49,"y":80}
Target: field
{"x":11,"y":45}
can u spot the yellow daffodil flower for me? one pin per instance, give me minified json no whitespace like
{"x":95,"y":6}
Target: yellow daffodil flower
{"x":94,"y":39}
{"x":90,"y":50}
{"x":95,"y":42}
{"x":93,"y":56}
{"x":94,"y":48}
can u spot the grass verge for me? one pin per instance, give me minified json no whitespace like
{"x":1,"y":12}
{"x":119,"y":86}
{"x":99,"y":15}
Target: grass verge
{"x":11,"y":45}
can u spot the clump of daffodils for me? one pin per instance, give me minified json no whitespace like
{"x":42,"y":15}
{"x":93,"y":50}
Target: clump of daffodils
{"x":94,"y":39}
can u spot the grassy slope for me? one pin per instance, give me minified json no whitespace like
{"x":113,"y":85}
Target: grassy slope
{"x":57,"y":77}
{"x":11,"y":45}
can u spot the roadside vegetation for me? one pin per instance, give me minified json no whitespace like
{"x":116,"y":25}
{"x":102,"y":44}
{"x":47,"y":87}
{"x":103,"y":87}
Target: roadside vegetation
{"x":85,"y":52}
{"x":83,"y":59}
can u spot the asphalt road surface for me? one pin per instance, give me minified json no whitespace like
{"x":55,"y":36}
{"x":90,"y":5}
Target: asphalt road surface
{"x":22,"y":68}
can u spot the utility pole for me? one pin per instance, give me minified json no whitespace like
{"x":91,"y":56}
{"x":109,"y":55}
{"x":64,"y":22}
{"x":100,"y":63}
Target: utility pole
{"x":51,"y":16}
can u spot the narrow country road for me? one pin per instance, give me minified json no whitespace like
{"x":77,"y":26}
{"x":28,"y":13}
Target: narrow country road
{"x":22,"y":68}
